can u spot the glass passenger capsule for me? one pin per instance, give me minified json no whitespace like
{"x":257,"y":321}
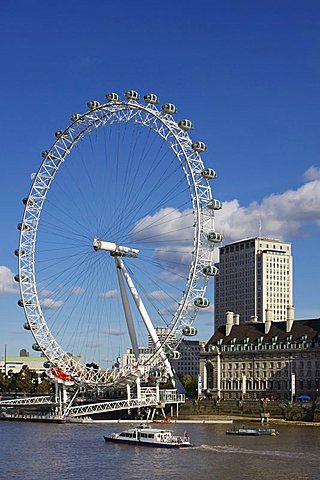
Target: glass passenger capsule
{"x":23,"y":227}
{"x":75,"y":117}
{"x":47,"y":365}
{"x":29,"y":326}
{"x":60,"y":134}
{"x":20,"y":253}
{"x":199,"y":147}
{"x":215,"y":237}
{"x":214,"y":204}
{"x":169,"y":108}
{"x":36,"y":347}
{"x":47,"y":154}
{"x":211,"y":270}
{"x":93,"y":104}
{"x":21,"y":303}
{"x":21,"y":278}
{"x":201,"y":302}
{"x":132,"y":95}
{"x":173,"y":355}
{"x":189,"y":331}
{"x":208,"y":173}
{"x":185,"y":124}
{"x":112,"y":97}
{"x":151,"y":98}
{"x":25,"y":201}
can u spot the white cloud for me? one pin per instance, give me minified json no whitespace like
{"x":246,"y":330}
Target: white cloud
{"x":77,"y":290}
{"x":115,"y":331}
{"x":285,"y":215}
{"x":168,"y":224}
{"x":50,"y":304}
{"x":158,"y":295}
{"x":313,"y":173}
{"x":7,"y":283}
{"x":109,"y":294}
{"x":46,"y":293}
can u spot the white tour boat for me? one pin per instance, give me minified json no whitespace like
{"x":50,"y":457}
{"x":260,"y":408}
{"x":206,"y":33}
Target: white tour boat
{"x":150,"y":437}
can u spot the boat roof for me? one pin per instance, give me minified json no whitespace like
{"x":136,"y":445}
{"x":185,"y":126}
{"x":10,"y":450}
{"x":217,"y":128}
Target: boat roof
{"x":149,"y":429}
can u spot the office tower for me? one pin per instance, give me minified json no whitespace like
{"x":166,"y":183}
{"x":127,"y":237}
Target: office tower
{"x":255,"y":275}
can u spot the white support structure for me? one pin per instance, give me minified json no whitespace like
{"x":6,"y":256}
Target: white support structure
{"x":148,"y":398}
{"x":127,"y":312}
{"x":45,"y":400}
{"x":145,"y":317}
{"x":189,"y":159}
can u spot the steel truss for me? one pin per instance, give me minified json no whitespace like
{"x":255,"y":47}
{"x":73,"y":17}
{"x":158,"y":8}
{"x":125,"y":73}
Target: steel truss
{"x":181,"y":144}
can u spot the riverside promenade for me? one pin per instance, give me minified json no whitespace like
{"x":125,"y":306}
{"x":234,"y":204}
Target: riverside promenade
{"x":257,"y":410}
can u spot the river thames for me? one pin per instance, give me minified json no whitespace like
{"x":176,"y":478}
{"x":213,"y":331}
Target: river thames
{"x":78,"y":451}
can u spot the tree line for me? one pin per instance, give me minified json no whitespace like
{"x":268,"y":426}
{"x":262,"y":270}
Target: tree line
{"x":24,"y":382}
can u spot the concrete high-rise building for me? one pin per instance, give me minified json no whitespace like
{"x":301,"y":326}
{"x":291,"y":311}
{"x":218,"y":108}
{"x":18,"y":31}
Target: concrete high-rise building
{"x":254,"y":281}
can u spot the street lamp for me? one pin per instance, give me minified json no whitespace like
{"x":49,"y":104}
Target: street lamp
{"x":292,"y":380}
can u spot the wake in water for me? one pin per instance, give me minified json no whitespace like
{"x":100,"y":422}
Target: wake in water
{"x":247,"y":451}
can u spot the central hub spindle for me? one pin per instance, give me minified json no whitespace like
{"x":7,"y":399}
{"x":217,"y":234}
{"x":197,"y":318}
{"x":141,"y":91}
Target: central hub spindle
{"x":114,"y":248}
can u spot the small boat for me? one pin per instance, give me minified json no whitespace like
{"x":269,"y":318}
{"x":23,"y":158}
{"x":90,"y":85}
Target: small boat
{"x":253,"y":431}
{"x":150,"y":437}
{"x":164,"y":421}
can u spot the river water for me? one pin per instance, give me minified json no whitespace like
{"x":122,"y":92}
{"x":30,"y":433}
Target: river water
{"x":78,"y":451}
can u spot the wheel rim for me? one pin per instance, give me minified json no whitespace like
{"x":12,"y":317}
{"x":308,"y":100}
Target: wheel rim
{"x":191,"y":166}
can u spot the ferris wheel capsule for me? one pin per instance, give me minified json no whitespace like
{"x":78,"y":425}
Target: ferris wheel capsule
{"x":169,"y":108}
{"x":47,"y":154}
{"x":210,"y":270}
{"x":208,"y":173}
{"x":29,"y":326}
{"x":23,"y":226}
{"x":132,"y":95}
{"x":47,"y":365}
{"x":151,"y":98}
{"x":173,"y":355}
{"x":112,"y":97}
{"x":60,"y":134}
{"x":214,"y":204}
{"x":20,"y":278}
{"x":189,"y":331}
{"x":36,"y":347}
{"x":21,"y":303}
{"x":20,"y":252}
{"x":185,"y":124}
{"x":199,"y":147}
{"x":215,"y":237}
{"x":75,"y":117}
{"x":93,"y":104}
{"x":201,"y":302}
{"x":27,"y":200}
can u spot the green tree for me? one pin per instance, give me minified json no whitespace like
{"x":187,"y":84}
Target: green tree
{"x":190,"y":383}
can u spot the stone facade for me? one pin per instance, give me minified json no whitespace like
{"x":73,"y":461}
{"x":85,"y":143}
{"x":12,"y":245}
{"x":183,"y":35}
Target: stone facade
{"x":276,"y":360}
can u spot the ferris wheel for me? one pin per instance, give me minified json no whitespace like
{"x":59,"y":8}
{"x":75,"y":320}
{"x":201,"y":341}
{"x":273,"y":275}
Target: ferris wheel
{"x":117,"y":241}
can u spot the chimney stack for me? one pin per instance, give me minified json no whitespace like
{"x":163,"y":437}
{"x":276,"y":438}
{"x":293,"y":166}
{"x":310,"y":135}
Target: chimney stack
{"x":236,"y":319}
{"x":268,"y":321}
{"x":290,"y":318}
{"x":229,"y":323}
{"x":253,"y":319}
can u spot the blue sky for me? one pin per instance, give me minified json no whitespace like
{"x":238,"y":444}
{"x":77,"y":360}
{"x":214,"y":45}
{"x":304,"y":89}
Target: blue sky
{"x":246,"y":73}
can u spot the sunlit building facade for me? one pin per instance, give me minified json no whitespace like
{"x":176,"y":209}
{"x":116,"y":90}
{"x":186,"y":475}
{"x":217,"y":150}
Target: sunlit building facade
{"x":255,"y":275}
